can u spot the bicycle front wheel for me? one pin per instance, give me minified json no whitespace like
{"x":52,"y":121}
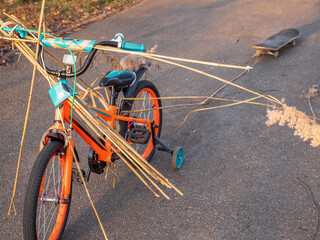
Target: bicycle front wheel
{"x":45,"y":213}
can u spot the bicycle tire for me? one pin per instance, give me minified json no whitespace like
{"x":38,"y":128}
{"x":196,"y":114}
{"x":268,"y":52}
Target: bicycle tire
{"x":144,"y":89}
{"x":38,"y":195}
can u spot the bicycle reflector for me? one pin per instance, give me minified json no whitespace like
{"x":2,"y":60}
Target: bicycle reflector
{"x":67,"y":59}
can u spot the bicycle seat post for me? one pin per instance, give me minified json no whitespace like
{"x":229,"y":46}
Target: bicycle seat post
{"x":113,"y":96}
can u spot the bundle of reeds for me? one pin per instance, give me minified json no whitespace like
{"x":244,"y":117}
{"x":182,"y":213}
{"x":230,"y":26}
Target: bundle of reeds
{"x":145,"y":171}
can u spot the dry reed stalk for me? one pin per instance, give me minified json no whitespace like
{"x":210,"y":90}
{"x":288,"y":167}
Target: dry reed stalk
{"x":216,"y":107}
{"x":92,"y":99}
{"x":107,"y":95}
{"x":97,"y":94}
{"x":82,"y":178}
{"x":102,"y":126}
{"x":18,"y":39}
{"x":272,"y":99}
{"x":101,"y":99}
{"x":118,"y":141}
{"x":151,"y":55}
{"x":186,"y":104}
{"x":87,"y":191}
{"x":106,"y":138}
{"x":234,"y":79}
{"x":28,"y":109}
{"x":114,"y":175}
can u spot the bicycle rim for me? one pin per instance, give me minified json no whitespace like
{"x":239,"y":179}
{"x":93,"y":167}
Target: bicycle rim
{"x":146,"y":93}
{"x":51,"y":212}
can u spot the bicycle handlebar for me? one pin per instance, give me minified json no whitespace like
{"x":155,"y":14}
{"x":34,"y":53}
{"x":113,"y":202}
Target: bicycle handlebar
{"x":73,"y":44}
{"x":79,"y":45}
{"x":85,"y":65}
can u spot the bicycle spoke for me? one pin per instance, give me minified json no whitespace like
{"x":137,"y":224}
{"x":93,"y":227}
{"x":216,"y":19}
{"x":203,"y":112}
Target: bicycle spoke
{"x":149,"y":107}
{"x":49,"y":199}
{"x":48,"y":181}
{"x":55,"y":208}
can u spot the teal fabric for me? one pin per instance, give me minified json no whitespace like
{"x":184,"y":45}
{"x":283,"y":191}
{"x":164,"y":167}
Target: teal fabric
{"x":66,"y":42}
{"x":22,"y":33}
{"x":60,"y":92}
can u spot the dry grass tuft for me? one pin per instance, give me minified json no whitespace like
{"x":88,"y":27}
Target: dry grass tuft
{"x":305,"y":128}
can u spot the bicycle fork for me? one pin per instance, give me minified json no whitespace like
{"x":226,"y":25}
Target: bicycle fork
{"x":57,"y":133}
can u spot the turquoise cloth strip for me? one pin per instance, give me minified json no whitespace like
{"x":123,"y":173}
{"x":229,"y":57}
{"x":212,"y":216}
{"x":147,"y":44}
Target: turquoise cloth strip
{"x":60,"y":92}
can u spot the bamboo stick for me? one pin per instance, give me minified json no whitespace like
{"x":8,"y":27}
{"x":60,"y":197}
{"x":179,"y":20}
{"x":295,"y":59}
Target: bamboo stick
{"x":98,"y":124}
{"x":273,"y":99}
{"x":28,"y":110}
{"x":122,"y":148}
{"x":150,"y":55}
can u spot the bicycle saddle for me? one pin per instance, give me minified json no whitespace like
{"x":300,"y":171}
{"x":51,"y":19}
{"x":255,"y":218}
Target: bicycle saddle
{"x":118,"y":79}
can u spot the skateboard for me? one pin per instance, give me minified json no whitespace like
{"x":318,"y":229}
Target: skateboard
{"x":273,"y":44}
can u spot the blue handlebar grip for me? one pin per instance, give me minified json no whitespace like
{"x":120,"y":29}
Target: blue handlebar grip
{"x":133,"y":47}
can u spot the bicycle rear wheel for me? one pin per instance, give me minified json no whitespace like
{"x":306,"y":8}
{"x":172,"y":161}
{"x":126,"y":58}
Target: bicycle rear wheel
{"x":147,"y":108}
{"x":45,"y":213}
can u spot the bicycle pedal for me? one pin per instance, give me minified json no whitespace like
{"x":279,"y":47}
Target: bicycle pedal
{"x":139,"y":135}
{"x":76,"y":175}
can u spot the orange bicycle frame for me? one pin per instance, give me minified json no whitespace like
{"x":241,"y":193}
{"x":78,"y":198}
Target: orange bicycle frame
{"x":104,"y":151}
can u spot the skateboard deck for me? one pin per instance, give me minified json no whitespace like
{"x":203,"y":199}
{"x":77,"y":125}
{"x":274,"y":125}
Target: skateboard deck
{"x":274,"y":43}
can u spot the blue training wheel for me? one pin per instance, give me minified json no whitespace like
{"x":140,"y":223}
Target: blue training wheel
{"x":177,"y":158}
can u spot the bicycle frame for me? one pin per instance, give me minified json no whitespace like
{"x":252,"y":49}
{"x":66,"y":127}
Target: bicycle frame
{"x":103,"y":150}
{"x":50,"y":182}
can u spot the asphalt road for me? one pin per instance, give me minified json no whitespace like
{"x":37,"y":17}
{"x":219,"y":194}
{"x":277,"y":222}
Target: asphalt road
{"x":237,"y":177}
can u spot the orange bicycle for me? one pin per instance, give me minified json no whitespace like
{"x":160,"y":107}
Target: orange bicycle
{"x":138,"y":117}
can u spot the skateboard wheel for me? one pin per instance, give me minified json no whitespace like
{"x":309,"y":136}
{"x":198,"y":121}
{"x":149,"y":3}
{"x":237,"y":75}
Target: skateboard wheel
{"x":276,"y":54}
{"x":293,"y":43}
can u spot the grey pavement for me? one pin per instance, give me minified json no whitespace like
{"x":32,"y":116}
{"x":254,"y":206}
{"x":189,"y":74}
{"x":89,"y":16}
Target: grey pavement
{"x":237,"y":177}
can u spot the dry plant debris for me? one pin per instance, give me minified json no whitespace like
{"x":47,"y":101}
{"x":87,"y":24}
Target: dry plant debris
{"x":313,"y":92}
{"x":305,"y":128}
{"x":61,"y":16}
{"x":133,"y":62}
{"x":4,"y":50}
{"x":314,"y":207}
